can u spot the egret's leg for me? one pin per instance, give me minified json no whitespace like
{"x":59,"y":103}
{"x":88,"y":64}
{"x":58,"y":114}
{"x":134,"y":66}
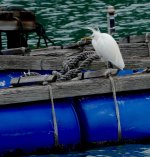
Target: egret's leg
{"x":109,"y":65}
{"x":107,"y":72}
{"x":111,"y":71}
{"x":103,"y":60}
{"x":29,"y":72}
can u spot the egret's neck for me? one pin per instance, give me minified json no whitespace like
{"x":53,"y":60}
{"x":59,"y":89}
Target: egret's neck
{"x":96,"y":35}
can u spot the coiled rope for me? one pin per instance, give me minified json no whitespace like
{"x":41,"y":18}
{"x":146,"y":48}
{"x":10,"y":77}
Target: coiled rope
{"x":71,"y":68}
{"x":72,"y":62}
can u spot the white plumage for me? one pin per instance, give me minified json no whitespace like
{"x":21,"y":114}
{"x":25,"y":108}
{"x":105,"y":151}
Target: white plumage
{"x":107,"y":48}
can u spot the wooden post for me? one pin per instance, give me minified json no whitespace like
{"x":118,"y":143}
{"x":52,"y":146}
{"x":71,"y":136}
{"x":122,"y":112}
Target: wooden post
{"x":147,"y":40}
{"x":0,"y":42}
{"x":17,"y":23}
{"x":110,"y":25}
{"x":110,"y":20}
{"x":15,"y":40}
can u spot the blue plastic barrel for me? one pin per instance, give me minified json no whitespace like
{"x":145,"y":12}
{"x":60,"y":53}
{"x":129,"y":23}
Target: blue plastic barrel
{"x":29,"y":127}
{"x":98,"y":121}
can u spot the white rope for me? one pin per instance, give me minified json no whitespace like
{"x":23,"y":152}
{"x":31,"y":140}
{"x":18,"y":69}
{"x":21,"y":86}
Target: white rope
{"x":53,"y":116}
{"x":116,"y":107}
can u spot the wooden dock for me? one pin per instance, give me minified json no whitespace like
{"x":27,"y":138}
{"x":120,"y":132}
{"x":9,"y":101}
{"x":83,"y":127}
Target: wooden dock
{"x":75,"y":88}
{"x":136,"y":55}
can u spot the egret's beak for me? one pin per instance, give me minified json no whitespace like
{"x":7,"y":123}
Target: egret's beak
{"x":87,"y":38}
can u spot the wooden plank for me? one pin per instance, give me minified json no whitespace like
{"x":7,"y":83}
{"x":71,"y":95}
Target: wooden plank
{"x":127,"y":50}
{"x":24,"y":15}
{"x":74,"y":88}
{"x":97,"y":73}
{"x":39,"y":79}
{"x":130,"y":63}
{"x":13,"y":25}
{"x":55,"y":51}
{"x":14,"y":51}
{"x":130,"y":49}
{"x":134,"y":39}
{"x":50,"y":51}
{"x":30,"y":62}
{"x":52,"y":58}
{"x":138,"y":63}
{"x":134,"y":49}
{"x":55,"y":63}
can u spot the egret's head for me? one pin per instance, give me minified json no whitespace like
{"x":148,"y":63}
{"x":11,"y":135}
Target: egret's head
{"x":96,"y":32}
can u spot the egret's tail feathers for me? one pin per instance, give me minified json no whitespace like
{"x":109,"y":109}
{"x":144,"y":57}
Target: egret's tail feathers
{"x":121,"y":65}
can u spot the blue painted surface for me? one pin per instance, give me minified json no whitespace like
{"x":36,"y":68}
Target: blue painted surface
{"x":30,"y":127}
{"x":99,"y":122}
{"x":135,"y":114}
{"x":97,"y":119}
{"x":6,"y":76}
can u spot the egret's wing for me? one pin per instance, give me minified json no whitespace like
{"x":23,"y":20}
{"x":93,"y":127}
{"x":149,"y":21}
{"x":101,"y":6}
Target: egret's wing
{"x":94,"y":43}
{"x":107,"y":47}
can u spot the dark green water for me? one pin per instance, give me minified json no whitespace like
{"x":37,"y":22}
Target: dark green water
{"x":65,"y":20}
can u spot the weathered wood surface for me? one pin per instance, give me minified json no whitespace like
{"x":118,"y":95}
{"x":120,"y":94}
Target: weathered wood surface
{"x":8,"y":14}
{"x":8,"y":21}
{"x":55,"y":51}
{"x":130,"y":49}
{"x":132,"y":63}
{"x":96,"y":74}
{"x":136,"y":55}
{"x":135,"y":38}
{"x":55,"y":63}
{"x":127,"y":50}
{"x":74,"y":88}
{"x":14,"y":51}
{"x":30,"y":62}
{"x":13,"y":25}
{"x":39,"y":79}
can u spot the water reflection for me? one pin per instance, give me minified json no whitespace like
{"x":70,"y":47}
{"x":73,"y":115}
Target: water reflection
{"x":132,"y":150}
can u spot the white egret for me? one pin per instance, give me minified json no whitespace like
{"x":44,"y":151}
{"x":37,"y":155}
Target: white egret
{"x":107,"y":48}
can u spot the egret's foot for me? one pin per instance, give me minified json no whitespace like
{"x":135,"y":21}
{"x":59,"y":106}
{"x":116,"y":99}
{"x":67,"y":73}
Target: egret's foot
{"x":110,"y":71}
